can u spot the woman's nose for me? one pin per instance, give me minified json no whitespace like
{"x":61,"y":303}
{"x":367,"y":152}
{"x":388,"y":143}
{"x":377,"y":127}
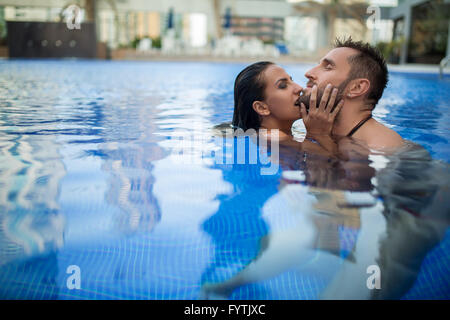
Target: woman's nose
{"x":297,"y":88}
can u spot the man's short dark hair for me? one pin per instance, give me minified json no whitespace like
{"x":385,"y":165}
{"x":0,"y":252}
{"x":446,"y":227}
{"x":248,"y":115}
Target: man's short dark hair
{"x":369,"y":63}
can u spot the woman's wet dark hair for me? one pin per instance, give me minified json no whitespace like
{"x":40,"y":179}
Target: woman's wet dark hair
{"x":249,"y":86}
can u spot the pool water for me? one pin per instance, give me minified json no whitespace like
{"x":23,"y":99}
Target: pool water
{"x":90,"y":181}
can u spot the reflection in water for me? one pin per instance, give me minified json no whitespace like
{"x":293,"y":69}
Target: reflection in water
{"x":130,"y":165}
{"x":131,"y":185}
{"x":336,"y":229}
{"x":415,"y":190}
{"x":36,"y":143}
{"x":237,"y":226}
{"x":31,"y":225}
{"x":30,"y":222}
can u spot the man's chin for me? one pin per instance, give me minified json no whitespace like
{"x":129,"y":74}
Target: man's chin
{"x":305,"y":100}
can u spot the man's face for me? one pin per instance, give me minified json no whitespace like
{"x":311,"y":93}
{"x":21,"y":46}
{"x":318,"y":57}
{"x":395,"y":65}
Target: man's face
{"x":333,"y":68}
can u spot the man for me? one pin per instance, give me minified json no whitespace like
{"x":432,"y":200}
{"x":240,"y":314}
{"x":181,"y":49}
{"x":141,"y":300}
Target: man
{"x":360,"y":73}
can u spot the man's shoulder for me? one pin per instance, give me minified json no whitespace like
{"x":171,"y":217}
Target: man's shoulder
{"x":382,"y":137}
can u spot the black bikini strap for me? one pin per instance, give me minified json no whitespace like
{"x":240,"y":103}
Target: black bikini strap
{"x":359,"y":125}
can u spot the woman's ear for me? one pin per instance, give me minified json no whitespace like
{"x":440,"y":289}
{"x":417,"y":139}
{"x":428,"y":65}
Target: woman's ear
{"x":261,"y":108}
{"x":358,"y":87}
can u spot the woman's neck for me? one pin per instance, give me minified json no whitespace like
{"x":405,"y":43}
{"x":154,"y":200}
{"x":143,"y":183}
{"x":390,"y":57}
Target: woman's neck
{"x":284,"y":126}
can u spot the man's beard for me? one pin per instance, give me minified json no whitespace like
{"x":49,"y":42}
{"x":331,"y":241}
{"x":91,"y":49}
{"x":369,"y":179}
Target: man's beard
{"x":304,"y":98}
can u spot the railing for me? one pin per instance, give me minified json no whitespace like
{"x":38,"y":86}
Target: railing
{"x":442,"y":65}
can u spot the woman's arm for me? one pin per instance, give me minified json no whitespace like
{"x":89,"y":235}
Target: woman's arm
{"x":319,"y":121}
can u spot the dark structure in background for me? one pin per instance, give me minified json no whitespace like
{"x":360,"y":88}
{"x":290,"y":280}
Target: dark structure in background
{"x":51,"y":40}
{"x":429,"y":32}
{"x":421,"y":31}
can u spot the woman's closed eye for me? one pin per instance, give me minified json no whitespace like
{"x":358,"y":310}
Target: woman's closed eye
{"x":283,"y":83}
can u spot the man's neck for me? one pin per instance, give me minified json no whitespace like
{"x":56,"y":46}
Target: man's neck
{"x":349,"y":116}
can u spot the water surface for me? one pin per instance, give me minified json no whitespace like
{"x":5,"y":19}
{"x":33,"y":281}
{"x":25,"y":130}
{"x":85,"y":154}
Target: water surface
{"x":89,"y":177}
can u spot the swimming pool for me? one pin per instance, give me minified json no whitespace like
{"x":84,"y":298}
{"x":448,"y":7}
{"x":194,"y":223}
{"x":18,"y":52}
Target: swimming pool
{"x":89,"y":179}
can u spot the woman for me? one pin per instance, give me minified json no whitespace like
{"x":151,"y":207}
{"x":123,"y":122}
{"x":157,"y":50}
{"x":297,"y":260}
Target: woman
{"x":266,"y":97}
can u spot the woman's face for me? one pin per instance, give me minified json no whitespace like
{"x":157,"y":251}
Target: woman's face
{"x":281,"y":94}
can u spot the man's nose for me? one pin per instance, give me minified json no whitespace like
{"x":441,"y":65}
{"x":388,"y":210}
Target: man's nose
{"x":310,"y":74}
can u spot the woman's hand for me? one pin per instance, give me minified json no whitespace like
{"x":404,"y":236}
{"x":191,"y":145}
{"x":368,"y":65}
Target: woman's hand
{"x":319,"y":120}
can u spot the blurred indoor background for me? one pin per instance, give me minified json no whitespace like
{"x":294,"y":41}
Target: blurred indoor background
{"x":407,"y":31}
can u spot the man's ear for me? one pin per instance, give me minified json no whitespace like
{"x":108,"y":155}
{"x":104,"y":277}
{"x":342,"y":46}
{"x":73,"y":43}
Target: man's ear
{"x":358,"y":87}
{"x":261,"y":108}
